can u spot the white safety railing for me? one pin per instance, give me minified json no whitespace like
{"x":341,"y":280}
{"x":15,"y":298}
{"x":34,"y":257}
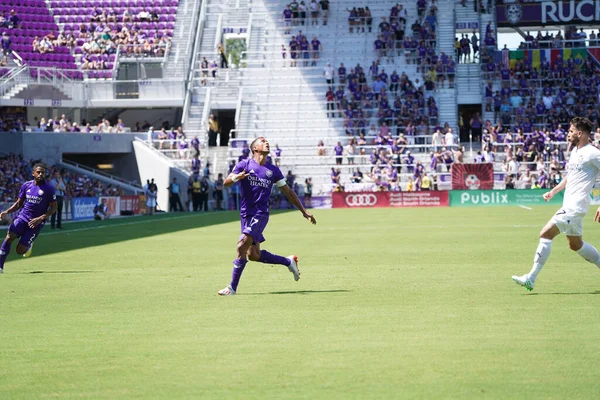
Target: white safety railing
{"x":193,"y":60}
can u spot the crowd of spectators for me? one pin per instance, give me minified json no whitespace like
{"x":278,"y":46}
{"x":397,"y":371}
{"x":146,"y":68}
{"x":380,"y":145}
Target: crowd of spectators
{"x":573,"y":38}
{"x":389,"y":155}
{"x":14,"y":171}
{"x":176,"y":140}
{"x":63,"y":124}
{"x":97,"y":39}
{"x":542,"y":97}
{"x":419,"y":45}
{"x":299,"y":13}
{"x":301,"y":49}
{"x":466,"y":49}
{"x":12,"y":124}
{"x":392,"y":100}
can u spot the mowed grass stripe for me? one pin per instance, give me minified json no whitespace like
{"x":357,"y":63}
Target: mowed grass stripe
{"x":393,"y":303}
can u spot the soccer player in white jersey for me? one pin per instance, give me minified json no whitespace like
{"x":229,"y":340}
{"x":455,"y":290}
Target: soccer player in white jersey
{"x":582,"y":171}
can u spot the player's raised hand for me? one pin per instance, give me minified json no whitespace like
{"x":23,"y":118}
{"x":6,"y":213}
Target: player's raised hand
{"x":597,"y":216}
{"x":242,"y":175}
{"x":547,"y":196}
{"x":310,"y":217}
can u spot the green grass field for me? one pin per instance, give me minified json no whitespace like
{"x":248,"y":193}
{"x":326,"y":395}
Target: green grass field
{"x":393,"y":303}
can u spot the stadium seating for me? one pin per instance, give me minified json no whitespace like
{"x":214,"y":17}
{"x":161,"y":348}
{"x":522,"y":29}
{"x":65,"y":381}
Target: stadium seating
{"x":288,"y":103}
{"x":36,"y":20}
{"x":75,"y":23}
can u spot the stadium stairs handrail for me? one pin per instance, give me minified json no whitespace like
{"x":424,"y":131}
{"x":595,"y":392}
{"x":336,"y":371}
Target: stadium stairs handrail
{"x":188,"y":84}
{"x":11,"y":77}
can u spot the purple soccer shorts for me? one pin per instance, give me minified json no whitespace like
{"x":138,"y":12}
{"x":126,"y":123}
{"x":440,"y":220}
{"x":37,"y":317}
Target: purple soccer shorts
{"x":254,"y":227}
{"x":26,"y":234}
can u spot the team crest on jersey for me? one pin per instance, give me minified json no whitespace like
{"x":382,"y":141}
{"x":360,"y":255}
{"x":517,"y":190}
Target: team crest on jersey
{"x":269,"y":173}
{"x":41,"y":192}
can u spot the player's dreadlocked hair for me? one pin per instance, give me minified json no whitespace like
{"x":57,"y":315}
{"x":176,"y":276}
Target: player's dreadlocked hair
{"x":583,"y":124}
{"x":40,"y":165}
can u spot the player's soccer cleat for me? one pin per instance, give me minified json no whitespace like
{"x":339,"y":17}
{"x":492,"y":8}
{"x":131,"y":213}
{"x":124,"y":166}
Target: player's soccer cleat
{"x":523,"y":281}
{"x":294,"y":266}
{"x":28,"y":252}
{"x":228,"y":291}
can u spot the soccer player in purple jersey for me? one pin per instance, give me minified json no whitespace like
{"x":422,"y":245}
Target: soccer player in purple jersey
{"x":37,"y":202}
{"x":256,"y":179}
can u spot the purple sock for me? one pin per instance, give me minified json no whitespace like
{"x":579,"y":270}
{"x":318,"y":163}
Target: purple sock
{"x":268,"y":258}
{"x":4,"y":251}
{"x":236,"y":274}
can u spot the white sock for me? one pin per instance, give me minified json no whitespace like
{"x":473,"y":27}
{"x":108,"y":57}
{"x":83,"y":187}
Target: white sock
{"x":590,"y":254}
{"x":541,"y":256}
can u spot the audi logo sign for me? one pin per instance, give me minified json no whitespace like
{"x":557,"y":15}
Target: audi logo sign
{"x":361,"y":200}
{"x":389,"y":199}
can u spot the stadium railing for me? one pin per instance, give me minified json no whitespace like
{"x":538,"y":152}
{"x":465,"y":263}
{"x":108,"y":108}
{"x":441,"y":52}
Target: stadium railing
{"x":95,"y":89}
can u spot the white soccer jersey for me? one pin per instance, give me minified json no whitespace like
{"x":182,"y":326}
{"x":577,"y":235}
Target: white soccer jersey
{"x":582,"y":170}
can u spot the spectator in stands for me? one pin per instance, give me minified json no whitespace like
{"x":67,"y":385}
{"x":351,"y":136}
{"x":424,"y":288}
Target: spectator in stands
{"x":6,"y":47}
{"x":213,"y":130}
{"x":324,"y":10}
{"x":329,"y":74}
{"x":277,"y":151}
{"x":339,"y":151}
{"x":14,"y":22}
{"x":45,"y":46}
{"x":127,"y":17}
{"x":287,"y":19}
{"x":321,"y":151}
{"x":302,"y":13}
{"x":314,"y":12}
{"x":222,"y":55}
{"x":144,"y":16}
{"x":316,"y":49}
{"x":214,"y":67}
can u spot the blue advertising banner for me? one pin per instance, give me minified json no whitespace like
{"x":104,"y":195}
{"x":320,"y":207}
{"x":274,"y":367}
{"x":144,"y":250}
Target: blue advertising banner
{"x":83,"y":208}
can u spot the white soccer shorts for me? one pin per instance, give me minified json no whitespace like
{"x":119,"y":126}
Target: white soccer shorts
{"x":568,"y":222}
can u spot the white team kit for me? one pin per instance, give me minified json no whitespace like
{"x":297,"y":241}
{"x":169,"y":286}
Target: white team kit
{"x":582,"y":170}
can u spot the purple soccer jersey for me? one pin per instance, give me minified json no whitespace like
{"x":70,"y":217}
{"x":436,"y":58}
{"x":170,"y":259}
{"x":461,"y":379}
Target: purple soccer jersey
{"x":37,"y":199}
{"x":256,"y":188}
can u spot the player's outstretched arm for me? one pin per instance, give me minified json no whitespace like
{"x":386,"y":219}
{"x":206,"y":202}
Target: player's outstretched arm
{"x":557,"y":189}
{"x":233,"y":178}
{"x":51,"y":210}
{"x":293,"y":198}
{"x":15,"y":207}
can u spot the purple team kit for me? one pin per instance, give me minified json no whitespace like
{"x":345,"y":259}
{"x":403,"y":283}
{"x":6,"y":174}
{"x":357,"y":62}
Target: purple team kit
{"x":256,"y":192}
{"x":36,"y":199}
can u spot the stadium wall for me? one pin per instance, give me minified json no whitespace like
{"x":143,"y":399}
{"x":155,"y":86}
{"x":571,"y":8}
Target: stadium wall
{"x":153,"y":165}
{"x":50,"y":147}
{"x":11,"y":142}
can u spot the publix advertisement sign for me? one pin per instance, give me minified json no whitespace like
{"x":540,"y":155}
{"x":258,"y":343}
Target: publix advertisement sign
{"x":468,"y":198}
